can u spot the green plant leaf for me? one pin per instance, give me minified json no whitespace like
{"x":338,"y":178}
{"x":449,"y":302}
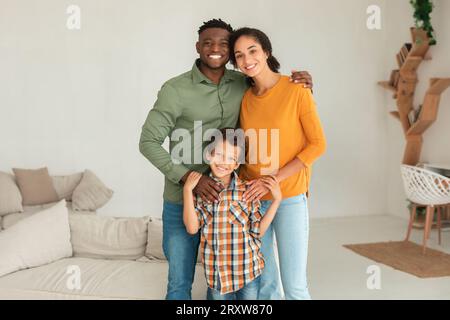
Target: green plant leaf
{"x":422,"y":17}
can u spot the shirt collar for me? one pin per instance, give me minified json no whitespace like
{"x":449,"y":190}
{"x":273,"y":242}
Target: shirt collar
{"x":236,"y":183}
{"x":199,"y":77}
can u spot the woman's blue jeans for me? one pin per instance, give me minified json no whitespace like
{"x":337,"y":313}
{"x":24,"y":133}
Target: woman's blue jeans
{"x":291,"y":228}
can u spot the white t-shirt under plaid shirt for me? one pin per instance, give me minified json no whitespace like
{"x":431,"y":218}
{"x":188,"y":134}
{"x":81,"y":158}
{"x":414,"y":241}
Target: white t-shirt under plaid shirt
{"x":230,"y":245}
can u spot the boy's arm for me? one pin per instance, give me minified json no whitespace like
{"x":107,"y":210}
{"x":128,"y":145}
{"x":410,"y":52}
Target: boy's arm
{"x":259,"y":223}
{"x":190,"y":217}
{"x":268,"y":217}
{"x":272,"y":184}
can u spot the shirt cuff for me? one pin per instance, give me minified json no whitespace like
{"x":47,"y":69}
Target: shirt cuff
{"x":176,"y":173}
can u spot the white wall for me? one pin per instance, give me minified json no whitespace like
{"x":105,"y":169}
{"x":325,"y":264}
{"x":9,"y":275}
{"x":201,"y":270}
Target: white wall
{"x":72,"y":100}
{"x":436,"y":145}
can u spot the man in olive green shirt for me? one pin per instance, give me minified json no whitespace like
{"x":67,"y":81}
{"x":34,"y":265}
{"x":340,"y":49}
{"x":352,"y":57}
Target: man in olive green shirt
{"x":181,"y":101}
{"x":207,"y":97}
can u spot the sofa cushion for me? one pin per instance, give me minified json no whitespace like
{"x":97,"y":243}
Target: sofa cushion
{"x":107,"y":237}
{"x":10,"y":197}
{"x":13,"y":218}
{"x":154,"y":250}
{"x":65,"y":185}
{"x":35,"y":186}
{"x":100,"y":279}
{"x":39,"y":239}
{"x":91,"y":193}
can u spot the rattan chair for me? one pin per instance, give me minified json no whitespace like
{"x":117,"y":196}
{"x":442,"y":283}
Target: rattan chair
{"x":429,"y":189}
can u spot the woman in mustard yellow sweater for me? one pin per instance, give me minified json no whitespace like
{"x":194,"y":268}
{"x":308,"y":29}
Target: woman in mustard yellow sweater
{"x":285,"y":138}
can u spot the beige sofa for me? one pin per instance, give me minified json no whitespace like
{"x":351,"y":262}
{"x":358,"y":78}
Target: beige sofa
{"x":104,"y":279}
{"x":142,"y":278}
{"x":115,"y":258}
{"x":111,"y":277}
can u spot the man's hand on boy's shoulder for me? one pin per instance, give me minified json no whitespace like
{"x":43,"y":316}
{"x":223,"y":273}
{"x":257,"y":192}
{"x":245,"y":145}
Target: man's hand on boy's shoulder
{"x":206,"y":187}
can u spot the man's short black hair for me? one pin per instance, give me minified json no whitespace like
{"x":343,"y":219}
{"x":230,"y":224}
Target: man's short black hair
{"x":215,"y":23}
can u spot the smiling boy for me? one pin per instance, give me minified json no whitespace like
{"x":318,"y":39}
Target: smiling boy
{"x":231,"y":228}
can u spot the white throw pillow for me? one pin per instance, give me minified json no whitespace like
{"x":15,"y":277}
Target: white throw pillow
{"x":40,"y":239}
{"x":10,"y":196}
{"x":108,"y":237}
{"x":91,"y":193}
{"x":65,"y":185}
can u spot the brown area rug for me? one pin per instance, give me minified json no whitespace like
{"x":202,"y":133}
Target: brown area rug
{"x":406,"y":257}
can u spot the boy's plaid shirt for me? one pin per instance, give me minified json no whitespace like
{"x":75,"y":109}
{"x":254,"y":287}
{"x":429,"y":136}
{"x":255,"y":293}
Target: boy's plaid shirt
{"x":230,"y":245}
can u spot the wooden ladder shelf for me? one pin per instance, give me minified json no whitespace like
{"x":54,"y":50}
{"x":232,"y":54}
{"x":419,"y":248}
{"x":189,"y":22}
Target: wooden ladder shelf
{"x":404,"y":95}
